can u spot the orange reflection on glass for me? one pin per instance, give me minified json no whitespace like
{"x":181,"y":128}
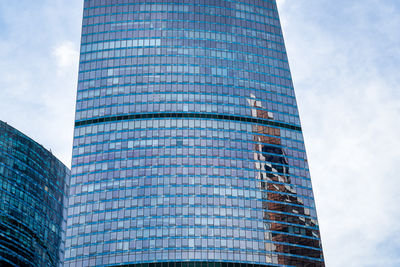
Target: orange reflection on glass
{"x":279,"y":196}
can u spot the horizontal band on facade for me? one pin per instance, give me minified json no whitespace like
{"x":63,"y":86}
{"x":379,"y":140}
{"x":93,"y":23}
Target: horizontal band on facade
{"x":187,"y":115}
{"x":203,"y":264}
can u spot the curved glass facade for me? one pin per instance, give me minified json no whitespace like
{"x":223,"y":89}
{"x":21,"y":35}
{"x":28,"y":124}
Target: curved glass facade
{"x":188,"y":147}
{"x":33,"y":187}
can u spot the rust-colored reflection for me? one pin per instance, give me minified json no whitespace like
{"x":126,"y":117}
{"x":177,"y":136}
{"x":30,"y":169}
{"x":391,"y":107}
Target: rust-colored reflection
{"x":280,"y":198}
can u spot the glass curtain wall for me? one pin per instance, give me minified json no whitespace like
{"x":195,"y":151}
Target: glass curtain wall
{"x":188,"y":146}
{"x":33,"y":189}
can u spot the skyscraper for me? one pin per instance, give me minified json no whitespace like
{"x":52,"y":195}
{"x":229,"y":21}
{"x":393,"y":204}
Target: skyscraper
{"x":188,"y":149}
{"x":33,"y":188}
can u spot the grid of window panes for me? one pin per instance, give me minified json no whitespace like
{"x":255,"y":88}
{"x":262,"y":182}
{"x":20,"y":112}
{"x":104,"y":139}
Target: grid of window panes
{"x":187,"y":145}
{"x":33,"y":187}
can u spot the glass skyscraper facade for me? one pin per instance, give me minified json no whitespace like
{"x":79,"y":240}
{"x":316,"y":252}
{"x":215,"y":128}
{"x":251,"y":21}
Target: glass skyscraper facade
{"x":33,"y":188}
{"x":188,"y":149}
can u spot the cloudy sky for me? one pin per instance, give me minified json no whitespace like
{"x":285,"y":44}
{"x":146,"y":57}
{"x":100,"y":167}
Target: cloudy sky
{"x":345,"y":59}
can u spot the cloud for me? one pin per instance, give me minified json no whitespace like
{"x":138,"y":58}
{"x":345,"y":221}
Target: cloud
{"x":280,"y":3}
{"x":38,"y":63}
{"x":66,"y":54}
{"x":344,"y":59}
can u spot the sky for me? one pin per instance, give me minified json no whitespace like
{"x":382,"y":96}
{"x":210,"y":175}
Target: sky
{"x":344,"y":57}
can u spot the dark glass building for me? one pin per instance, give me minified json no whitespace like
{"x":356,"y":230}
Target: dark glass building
{"x":33,"y":187}
{"x":188,"y":149}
